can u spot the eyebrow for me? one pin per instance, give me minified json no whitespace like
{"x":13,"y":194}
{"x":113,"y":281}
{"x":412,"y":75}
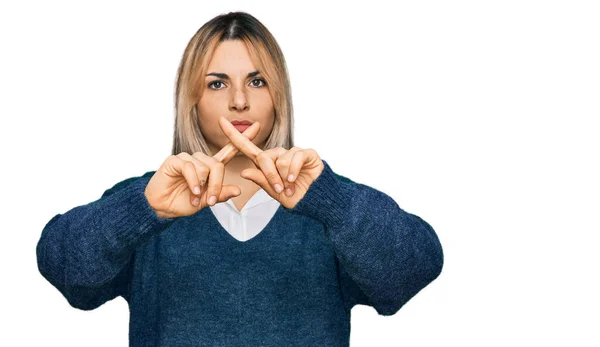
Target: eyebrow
{"x":225,"y":76}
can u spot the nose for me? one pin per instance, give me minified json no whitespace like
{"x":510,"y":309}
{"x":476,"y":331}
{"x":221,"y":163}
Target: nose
{"x":239,"y":101}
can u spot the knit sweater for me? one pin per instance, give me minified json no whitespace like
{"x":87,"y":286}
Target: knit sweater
{"x":188,"y":283}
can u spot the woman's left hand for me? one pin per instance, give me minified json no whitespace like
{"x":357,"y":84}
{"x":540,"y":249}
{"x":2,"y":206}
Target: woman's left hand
{"x":275,"y":165}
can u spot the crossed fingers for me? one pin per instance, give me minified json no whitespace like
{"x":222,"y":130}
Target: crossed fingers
{"x":265,"y":160}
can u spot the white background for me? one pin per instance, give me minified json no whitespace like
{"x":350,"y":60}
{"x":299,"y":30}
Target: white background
{"x":480,"y":117}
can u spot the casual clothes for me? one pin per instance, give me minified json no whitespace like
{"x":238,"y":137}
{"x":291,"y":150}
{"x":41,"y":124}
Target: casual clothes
{"x":188,"y":282}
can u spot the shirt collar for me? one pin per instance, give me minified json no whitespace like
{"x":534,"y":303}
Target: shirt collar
{"x":260,"y":197}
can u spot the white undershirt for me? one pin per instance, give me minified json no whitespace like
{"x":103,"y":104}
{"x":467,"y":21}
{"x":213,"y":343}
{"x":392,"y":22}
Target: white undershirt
{"x":255,"y":215}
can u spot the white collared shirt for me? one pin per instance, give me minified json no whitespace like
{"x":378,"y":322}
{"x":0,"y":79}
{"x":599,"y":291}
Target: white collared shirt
{"x":251,"y":220}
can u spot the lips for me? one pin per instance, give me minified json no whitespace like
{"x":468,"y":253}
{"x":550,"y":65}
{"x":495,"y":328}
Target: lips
{"x":241,"y":122}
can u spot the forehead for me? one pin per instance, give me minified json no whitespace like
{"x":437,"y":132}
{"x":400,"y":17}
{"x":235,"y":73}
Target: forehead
{"x":231,"y":57}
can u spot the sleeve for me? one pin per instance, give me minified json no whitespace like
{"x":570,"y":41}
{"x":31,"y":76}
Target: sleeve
{"x":87,"y":252}
{"x":385,"y":255}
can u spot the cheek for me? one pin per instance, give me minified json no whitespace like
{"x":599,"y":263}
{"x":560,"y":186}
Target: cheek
{"x":210,"y":103}
{"x":208,"y":118}
{"x":266,"y":111}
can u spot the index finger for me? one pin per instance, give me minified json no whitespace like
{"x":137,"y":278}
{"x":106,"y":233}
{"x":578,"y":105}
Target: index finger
{"x":230,"y":150}
{"x":240,"y":141}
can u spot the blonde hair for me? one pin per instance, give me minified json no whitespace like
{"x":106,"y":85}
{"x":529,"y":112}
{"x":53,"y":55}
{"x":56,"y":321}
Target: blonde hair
{"x":189,"y":86}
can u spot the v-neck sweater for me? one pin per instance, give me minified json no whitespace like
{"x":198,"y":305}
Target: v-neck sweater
{"x":189,"y":283}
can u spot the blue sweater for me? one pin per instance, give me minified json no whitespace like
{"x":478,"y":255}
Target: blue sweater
{"x":189,"y":283}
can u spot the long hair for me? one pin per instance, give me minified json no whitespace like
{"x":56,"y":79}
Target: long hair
{"x":266,"y":56}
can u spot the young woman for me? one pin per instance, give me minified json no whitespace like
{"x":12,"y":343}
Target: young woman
{"x":256,"y":265}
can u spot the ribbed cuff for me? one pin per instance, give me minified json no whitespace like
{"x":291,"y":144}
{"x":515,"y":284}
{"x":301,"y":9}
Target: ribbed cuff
{"x":327,"y":200}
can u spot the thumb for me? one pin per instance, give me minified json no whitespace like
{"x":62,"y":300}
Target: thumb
{"x":228,"y":191}
{"x":256,"y":176}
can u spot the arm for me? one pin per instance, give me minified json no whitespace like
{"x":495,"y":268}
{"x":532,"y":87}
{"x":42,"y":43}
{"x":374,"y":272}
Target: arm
{"x":385,"y":255}
{"x":87,"y":252}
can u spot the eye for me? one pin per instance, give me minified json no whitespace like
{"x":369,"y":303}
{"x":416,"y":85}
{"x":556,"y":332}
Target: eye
{"x":213,"y":83}
{"x":260,"y":80}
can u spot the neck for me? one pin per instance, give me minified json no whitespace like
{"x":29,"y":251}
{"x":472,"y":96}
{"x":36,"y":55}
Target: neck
{"x":232,"y":176}
{"x":237,"y":164}
{"x":233,"y":169}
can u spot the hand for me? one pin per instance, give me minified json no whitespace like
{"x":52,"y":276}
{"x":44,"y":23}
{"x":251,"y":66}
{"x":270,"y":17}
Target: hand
{"x":171,"y":192}
{"x":275,"y":165}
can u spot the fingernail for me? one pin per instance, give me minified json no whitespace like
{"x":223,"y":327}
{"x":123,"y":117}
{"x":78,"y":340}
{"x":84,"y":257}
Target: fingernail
{"x":278,"y":188}
{"x":212,"y":200}
{"x":196,"y":190}
{"x":288,"y":192}
{"x":196,"y":201}
{"x":290,"y":178}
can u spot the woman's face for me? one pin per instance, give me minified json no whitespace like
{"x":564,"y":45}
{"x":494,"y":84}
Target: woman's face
{"x":237,"y":93}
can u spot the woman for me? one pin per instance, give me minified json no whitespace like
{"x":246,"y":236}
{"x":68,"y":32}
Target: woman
{"x":158,"y":240}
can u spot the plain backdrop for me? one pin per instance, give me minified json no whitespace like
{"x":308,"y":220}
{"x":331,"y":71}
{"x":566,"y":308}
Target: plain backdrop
{"x":478,"y":116}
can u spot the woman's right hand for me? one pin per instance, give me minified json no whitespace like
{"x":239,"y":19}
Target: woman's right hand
{"x":179,"y":187}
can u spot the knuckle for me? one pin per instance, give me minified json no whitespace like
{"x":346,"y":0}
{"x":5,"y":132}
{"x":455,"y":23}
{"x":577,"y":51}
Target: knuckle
{"x":261,"y":156}
{"x":198,"y":155}
{"x":203,"y":170}
{"x":283,"y":162}
{"x":212,"y":160}
{"x":218,"y":165}
{"x":282,"y":165}
{"x":272,"y":177}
